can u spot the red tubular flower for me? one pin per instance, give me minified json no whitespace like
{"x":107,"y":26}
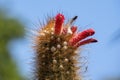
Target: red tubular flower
{"x":58,"y":23}
{"x":91,"y":40}
{"x":73,"y":29}
{"x":82,"y":35}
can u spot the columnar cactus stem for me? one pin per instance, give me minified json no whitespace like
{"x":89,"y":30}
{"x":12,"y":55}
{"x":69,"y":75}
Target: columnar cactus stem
{"x":56,"y":47}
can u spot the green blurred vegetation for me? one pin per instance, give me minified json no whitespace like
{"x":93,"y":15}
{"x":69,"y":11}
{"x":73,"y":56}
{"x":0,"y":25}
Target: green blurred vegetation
{"x":10,"y":28}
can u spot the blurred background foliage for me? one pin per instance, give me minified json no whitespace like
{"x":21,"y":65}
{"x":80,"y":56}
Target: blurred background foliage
{"x":10,"y":28}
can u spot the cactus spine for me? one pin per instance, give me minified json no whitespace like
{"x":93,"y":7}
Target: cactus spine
{"x":55,"y":46}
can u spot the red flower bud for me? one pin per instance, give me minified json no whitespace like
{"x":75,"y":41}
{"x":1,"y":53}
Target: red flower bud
{"x":82,"y":35}
{"x":73,"y":29}
{"x":58,"y":23}
{"x":91,"y":40}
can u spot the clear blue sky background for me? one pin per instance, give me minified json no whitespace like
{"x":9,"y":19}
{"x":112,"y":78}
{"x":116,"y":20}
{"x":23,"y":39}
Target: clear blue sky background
{"x":102,"y":15}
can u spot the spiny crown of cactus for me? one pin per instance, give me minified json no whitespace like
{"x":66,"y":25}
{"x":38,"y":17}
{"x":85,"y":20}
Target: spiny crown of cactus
{"x":56,"y":47}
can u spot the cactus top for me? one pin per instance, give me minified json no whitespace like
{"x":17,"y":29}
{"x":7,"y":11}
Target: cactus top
{"x":76,"y":38}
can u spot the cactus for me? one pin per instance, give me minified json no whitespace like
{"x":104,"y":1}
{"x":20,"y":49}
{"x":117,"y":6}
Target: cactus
{"x":55,"y":47}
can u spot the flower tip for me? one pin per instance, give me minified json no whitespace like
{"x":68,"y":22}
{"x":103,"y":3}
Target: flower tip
{"x":60,"y":17}
{"x":94,"y":40}
{"x":91,"y":32}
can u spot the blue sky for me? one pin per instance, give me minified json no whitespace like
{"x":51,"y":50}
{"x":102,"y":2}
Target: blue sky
{"x":102,"y":15}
